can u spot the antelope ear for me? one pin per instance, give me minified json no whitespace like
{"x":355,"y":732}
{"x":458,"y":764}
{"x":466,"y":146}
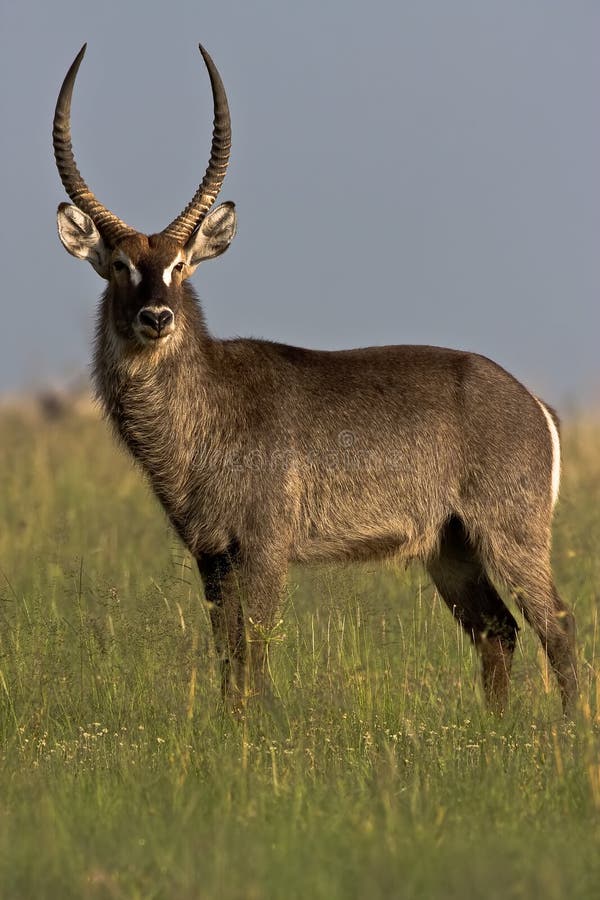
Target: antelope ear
{"x":213,"y":236}
{"x":81,"y":238}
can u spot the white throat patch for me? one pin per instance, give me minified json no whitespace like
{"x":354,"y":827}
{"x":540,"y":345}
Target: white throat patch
{"x":168,"y":272}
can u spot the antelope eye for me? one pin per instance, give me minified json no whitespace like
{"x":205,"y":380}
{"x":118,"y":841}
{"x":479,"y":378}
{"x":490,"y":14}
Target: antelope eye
{"x":179,"y":267}
{"x":119,"y":265}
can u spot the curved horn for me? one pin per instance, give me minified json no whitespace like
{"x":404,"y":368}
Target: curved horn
{"x":182,"y":227}
{"x":109,"y":225}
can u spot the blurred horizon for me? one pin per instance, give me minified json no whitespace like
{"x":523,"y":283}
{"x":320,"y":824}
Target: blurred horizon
{"x":410,"y":173}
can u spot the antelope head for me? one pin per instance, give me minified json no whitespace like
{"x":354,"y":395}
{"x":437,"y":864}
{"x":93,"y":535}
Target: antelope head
{"x":145,"y":273}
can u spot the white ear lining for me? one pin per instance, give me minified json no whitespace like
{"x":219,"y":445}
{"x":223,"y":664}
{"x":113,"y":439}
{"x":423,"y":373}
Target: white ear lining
{"x":214,"y":235}
{"x":81,"y":238}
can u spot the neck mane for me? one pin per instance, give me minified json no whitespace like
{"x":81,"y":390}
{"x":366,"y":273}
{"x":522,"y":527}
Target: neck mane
{"x":157,"y":399}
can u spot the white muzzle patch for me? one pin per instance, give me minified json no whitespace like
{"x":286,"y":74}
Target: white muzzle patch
{"x":154,"y":324}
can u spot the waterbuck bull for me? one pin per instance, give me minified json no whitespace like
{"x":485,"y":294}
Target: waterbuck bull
{"x":263,"y":453}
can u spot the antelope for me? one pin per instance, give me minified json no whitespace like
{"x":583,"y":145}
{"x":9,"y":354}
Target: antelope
{"x":264,"y":454}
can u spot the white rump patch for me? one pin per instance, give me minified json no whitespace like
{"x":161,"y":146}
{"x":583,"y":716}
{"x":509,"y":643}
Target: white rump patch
{"x":168,"y":272}
{"x":555,"y":451}
{"x":134,"y":272}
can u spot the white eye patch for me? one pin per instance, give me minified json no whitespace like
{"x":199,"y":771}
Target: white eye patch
{"x":168,"y":272}
{"x":134,"y":273}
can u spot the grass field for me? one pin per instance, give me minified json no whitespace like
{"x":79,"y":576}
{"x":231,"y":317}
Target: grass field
{"x":378,"y":774}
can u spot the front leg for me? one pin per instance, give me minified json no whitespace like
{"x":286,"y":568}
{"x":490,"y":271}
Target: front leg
{"x":219,"y":573}
{"x":245,"y":595}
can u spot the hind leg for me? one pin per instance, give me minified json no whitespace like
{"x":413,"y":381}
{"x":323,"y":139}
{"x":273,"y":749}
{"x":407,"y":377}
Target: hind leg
{"x":529,"y":577}
{"x":461,"y":581}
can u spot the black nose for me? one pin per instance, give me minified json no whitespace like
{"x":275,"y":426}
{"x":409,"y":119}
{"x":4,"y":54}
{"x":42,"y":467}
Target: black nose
{"x":156,"y":319}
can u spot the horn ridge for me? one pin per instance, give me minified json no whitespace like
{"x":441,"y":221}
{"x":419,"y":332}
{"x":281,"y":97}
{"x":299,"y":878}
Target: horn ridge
{"x":181,"y":228}
{"x":110,"y":226}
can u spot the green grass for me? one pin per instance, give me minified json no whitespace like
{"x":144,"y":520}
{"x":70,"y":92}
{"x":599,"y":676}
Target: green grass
{"x":377,"y":774}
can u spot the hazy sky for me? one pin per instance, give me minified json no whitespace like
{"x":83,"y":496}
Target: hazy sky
{"x":404,"y":172}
